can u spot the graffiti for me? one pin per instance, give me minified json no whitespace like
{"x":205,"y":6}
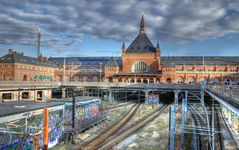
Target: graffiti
{"x":55,"y":121}
{"x":54,"y":137}
{"x":5,"y":138}
{"x":232,"y":120}
{"x":84,"y":112}
{"x":152,"y":98}
{"x":23,"y":136}
{"x":68,"y":116}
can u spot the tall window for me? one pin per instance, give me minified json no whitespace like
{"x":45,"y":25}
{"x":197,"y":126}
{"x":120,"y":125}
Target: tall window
{"x":140,"y":67}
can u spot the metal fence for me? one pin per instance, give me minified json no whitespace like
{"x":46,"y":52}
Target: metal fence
{"x":229,"y":92}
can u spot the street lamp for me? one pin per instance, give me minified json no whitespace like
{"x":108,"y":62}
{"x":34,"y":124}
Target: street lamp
{"x":100,"y":71}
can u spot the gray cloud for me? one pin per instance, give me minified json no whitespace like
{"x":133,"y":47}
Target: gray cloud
{"x":68,"y":21}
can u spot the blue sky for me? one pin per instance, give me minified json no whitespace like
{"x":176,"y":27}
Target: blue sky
{"x":98,"y":28}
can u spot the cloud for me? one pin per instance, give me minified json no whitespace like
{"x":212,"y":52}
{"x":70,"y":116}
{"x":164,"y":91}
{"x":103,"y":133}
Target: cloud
{"x":68,"y":21}
{"x":70,"y":43}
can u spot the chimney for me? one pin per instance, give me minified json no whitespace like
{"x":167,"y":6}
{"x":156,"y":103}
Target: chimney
{"x":10,"y":51}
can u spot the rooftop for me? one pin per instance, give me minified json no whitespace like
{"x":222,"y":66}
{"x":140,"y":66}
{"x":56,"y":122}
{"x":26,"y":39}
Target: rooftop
{"x":78,"y":99}
{"x":165,"y":60}
{"x":16,"y":107}
{"x":20,"y":58}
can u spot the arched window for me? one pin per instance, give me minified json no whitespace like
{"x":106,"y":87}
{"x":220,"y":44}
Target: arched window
{"x":180,"y":80}
{"x":140,"y":67}
{"x":76,"y":78}
{"x":228,"y":81}
{"x":25,"y":78}
{"x":191,"y":80}
{"x":168,"y":80}
{"x":58,"y":78}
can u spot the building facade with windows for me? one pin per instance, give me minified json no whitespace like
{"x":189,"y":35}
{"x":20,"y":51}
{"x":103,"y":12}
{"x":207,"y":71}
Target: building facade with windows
{"x":18,"y":67}
{"x":141,"y":62}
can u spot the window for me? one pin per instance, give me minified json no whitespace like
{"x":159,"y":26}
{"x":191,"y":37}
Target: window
{"x":201,"y":69}
{"x":233,"y":70}
{"x":210,"y":70}
{"x":221,"y":70}
{"x":140,"y":67}
{"x":179,"y":69}
{"x":167,"y":69}
{"x":189,"y":69}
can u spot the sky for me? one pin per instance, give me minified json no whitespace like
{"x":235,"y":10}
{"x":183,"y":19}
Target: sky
{"x":98,"y":27}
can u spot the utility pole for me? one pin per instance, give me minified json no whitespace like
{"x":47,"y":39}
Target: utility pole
{"x":73,"y":115}
{"x":213,"y":127}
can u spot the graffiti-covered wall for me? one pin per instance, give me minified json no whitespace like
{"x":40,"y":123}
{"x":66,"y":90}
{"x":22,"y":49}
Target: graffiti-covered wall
{"x":232,"y":120}
{"x":85,"y":113}
{"x":27,"y":132}
{"x":152,"y":98}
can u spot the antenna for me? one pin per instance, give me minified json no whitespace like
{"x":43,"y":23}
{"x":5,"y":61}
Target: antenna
{"x":38,"y":42}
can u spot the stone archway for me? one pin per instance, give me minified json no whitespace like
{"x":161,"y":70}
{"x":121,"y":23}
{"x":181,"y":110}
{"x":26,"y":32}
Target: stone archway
{"x":157,"y":80}
{"x":110,"y":79}
{"x":151,"y":80}
{"x":145,"y":80}
{"x":76,"y":78}
{"x":138,"y":80}
{"x":168,"y":80}
{"x":228,"y":81}
{"x":24,"y":77}
{"x":126,"y":80}
{"x":191,"y":80}
{"x":120,"y":80}
{"x":180,"y":80}
{"x":58,"y":78}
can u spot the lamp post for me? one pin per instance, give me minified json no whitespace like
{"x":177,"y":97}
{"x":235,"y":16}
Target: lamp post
{"x":100,"y":71}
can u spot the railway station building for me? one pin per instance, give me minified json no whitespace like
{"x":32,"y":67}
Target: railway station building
{"x":140,"y":62}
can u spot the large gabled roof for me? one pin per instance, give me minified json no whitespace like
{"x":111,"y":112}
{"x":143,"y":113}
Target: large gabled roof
{"x":141,"y":44}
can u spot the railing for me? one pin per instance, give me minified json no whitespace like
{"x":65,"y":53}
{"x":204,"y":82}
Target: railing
{"x":134,"y":85}
{"x":37,"y":84}
{"x":24,"y":84}
{"x":228,"y":92}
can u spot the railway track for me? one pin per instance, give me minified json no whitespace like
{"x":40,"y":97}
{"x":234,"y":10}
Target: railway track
{"x":109,"y":131}
{"x":201,"y":139}
{"x":218,"y":127}
{"x":120,"y":136}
